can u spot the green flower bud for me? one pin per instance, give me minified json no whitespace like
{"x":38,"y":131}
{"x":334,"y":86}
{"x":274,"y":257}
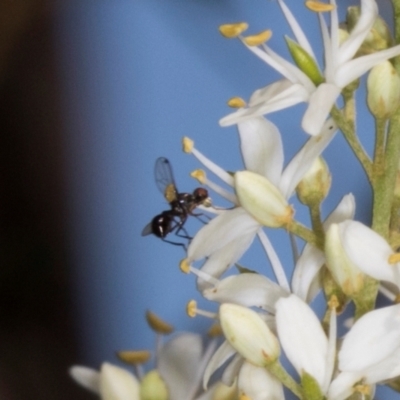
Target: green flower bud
{"x":315,"y":185}
{"x":304,"y":61}
{"x":262,"y":200}
{"x":153,"y":387}
{"x":383,"y":86}
{"x":248,"y":334}
{"x":379,"y":38}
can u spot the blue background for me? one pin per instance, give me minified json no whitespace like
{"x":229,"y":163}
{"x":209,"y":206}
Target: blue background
{"x":137,"y":76}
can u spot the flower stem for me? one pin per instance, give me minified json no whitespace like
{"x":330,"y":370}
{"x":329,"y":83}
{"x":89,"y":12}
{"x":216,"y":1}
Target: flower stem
{"x":280,"y":373}
{"x":347,"y":128}
{"x":384,"y":183}
{"x":306,"y":234}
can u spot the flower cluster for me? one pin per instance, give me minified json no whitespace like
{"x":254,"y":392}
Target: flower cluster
{"x":343,"y":261}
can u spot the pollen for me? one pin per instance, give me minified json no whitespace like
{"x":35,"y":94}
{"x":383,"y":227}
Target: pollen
{"x":191,"y":308}
{"x":236,"y":102}
{"x":231,"y":31}
{"x":187,"y":145}
{"x":318,"y":6}
{"x":363,"y":389}
{"x":394,"y":258}
{"x":134,"y":357}
{"x":260,"y":38}
{"x":200,"y":175}
{"x":244,"y":397}
{"x":157,"y":324}
{"x":184,"y":266}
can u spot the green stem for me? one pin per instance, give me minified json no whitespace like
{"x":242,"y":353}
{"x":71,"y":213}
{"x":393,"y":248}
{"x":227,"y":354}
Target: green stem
{"x":306,"y":234}
{"x":280,"y":373}
{"x":379,"y":151}
{"x":347,"y":128}
{"x":316,"y":222}
{"x":384,"y":183}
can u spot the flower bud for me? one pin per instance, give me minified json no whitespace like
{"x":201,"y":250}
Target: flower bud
{"x":257,"y":383}
{"x":248,"y":334}
{"x":383,"y":86}
{"x":153,"y":387}
{"x":379,"y":37}
{"x":262,"y":200}
{"x":117,"y":383}
{"x":346,"y":274}
{"x":315,"y":185}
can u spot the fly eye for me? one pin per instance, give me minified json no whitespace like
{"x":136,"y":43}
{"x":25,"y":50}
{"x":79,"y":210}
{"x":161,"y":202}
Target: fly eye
{"x":200,"y":194}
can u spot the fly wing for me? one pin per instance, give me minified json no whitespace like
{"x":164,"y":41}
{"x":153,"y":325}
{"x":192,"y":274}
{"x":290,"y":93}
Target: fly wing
{"x":147,"y":230}
{"x":165,"y":179}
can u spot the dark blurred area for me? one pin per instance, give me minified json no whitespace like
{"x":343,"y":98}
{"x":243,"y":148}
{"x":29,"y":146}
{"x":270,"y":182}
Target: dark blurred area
{"x":37,"y":337}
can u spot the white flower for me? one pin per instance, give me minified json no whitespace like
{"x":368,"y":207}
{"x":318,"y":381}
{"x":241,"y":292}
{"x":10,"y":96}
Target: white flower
{"x":223,"y":240}
{"x":370,"y":252}
{"x":306,"y":277}
{"x":111,"y":383}
{"x":370,"y":352}
{"x":304,"y":341}
{"x":340,"y":70}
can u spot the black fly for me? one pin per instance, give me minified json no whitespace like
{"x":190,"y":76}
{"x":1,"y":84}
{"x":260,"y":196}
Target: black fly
{"x":182,"y":205}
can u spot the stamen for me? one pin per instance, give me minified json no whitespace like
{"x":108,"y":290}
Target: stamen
{"x":317,"y":6}
{"x":333,"y":303}
{"x":134,"y":357}
{"x":187,"y":145}
{"x":236,"y":102}
{"x":200,"y":175}
{"x":215,"y":331}
{"x":157,"y":324}
{"x":243,"y":396}
{"x":260,"y":38}
{"x":193,"y":311}
{"x":231,"y":31}
{"x":186,"y":268}
{"x":397,"y":299}
{"x":394,"y":258}
{"x":363,"y":389}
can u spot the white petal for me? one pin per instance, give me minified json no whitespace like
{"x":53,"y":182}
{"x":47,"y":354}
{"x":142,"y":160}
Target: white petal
{"x":117,"y":384}
{"x":369,"y":251}
{"x":224,"y":352}
{"x":178,"y":364}
{"x":343,"y":211}
{"x":342,"y":386}
{"x":258,"y":384}
{"x":320,"y":105}
{"x":247,"y":289}
{"x":387,"y":369}
{"x":302,"y":337}
{"x":372,"y":338}
{"x":369,"y":13}
{"x":306,"y":281}
{"x":294,"y":94}
{"x":296,"y":29}
{"x":231,"y":371}
{"x":262,"y":148}
{"x":303,"y":160}
{"x":269,"y":92}
{"x":226,"y":228}
{"x":353,"y":69}
{"x":87,"y":377}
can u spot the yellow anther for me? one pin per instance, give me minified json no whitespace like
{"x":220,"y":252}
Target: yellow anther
{"x":215,"y":331}
{"x":363,"y":389}
{"x":134,"y":357}
{"x":200,"y":175}
{"x":243,"y":396}
{"x":318,"y":6}
{"x":397,"y":299}
{"x":333,"y":302}
{"x":187,"y":145}
{"x":394,"y":258}
{"x":191,"y":308}
{"x":260,"y":38}
{"x":157,"y":324}
{"x":231,"y":31}
{"x":236,"y":102}
{"x":184,"y":266}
